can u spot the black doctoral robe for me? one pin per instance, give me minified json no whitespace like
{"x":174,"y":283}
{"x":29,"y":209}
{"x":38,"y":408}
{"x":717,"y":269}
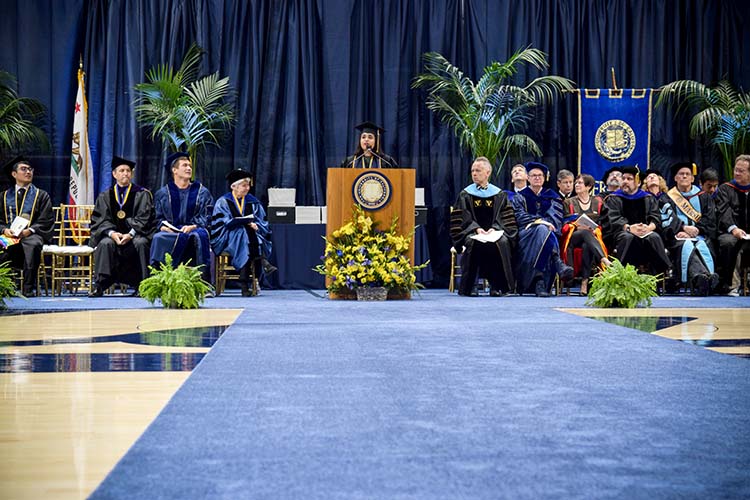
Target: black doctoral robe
{"x":492,"y":260}
{"x":122,"y":263}
{"x":628,"y":209}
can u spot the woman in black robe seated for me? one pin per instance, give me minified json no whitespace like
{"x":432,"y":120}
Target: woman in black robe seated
{"x":584,"y":233}
{"x":368,"y":153}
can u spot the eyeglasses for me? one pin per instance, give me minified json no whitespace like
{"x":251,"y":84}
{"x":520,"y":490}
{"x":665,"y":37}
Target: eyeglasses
{"x":536,"y":175}
{"x":25,"y":169}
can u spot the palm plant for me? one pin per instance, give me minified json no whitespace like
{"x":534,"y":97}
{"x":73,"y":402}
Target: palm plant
{"x":488,"y":116}
{"x":18,"y":118}
{"x":187,"y":113}
{"x":722,"y":115}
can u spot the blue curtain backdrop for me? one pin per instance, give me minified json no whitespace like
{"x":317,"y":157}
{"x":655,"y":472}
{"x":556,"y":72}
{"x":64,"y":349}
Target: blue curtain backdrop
{"x":306,"y":71}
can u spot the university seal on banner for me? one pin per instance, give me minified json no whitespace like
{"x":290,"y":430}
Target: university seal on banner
{"x":372,"y":190}
{"x":615,"y":140}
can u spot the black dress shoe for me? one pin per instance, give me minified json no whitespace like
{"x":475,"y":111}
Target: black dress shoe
{"x":497,"y":293}
{"x":96,"y":292}
{"x":540,"y":289}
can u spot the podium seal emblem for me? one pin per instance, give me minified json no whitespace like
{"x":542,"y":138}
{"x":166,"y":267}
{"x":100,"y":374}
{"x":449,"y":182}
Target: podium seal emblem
{"x":372,"y":190}
{"x":615,"y":140}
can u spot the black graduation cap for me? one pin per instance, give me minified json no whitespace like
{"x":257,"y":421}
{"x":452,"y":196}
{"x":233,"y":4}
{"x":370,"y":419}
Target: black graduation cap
{"x":539,"y":166}
{"x":238,"y":175}
{"x":173,"y":157}
{"x":683,"y":164}
{"x":609,"y":171}
{"x":8,"y":167}
{"x":633,"y":170}
{"x":370,"y":128}
{"x":117,"y":161}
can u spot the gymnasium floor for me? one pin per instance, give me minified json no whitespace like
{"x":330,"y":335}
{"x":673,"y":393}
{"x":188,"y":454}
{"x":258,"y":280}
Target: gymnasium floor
{"x":79,"y":386}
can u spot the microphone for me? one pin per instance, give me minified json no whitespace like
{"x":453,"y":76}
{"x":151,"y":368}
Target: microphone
{"x":380,"y":157}
{"x":354,"y":161}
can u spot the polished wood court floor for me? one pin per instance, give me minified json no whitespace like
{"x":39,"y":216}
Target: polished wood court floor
{"x":66,"y":417}
{"x":78,"y":388}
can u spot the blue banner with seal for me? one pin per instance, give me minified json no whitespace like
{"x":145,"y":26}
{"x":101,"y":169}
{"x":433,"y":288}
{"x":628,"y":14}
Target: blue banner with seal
{"x":614,"y":129}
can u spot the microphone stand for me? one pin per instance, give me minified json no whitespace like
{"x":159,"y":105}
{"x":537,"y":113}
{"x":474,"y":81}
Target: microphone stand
{"x":380,"y":157}
{"x":354,"y":161}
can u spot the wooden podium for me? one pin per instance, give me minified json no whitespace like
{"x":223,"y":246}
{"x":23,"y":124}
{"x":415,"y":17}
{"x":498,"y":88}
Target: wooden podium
{"x":340,"y":199}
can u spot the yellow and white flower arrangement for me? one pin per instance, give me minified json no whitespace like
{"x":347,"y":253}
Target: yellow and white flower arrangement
{"x":358,"y":254}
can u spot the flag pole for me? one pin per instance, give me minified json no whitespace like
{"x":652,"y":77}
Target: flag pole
{"x":614,"y":80}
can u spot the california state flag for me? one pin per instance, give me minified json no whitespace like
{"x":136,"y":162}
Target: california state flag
{"x":81,"y":170}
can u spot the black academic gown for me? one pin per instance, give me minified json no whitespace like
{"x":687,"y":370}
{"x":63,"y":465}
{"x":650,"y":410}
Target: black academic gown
{"x":733,"y":209}
{"x":372,"y":162}
{"x":27,"y":253}
{"x":493,"y":260}
{"x":640,"y":207}
{"x":122,"y":263}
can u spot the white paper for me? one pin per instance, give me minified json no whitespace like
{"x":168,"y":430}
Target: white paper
{"x":746,"y":237}
{"x":586,"y":221}
{"x":488,"y":238}
{"x":18,"y":225}
{"x":170,"y":226}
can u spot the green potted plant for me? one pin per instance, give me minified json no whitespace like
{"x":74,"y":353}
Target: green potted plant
{"x":187,"y":113}
{"x":721,"y":114}
{"x":178,"y":288}
{"x":621,"y":286}
{"x":364,"y":261}
{"x":18,"y":118}
{"x":488,"y":116}
{"x":7,"y":284}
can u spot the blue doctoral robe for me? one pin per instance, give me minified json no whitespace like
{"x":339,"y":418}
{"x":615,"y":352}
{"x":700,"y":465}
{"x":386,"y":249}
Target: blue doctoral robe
{"x":229,"y":235}
{"x":182,"y":207}
{"x":537,"y":244}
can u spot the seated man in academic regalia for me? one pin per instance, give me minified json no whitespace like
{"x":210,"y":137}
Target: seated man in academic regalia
{"x":182,"y":217}
{"x":519,"y":178}
{"x":539,"y":216}
{"x":734,"y":224}
{"x":611,"y":181}
{"x":121,"y":229}
{"x":632,"y":224}
{"x":239,"y":228}
{"x":31,"y":209}
{"x":485,"y":210}
{"x":693,"y":228}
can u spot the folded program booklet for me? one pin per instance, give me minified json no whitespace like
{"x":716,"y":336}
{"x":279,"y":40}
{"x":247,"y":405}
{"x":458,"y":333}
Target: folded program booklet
{"x":488,"y":238}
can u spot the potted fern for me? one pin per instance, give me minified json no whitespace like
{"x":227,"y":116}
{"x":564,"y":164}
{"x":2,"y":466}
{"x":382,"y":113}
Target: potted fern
{"x":622,"y":286}
{"x":178,"y":288}
{"x":19,"y":117}
{"x":488,"y":116}
{"x":7,"y":284}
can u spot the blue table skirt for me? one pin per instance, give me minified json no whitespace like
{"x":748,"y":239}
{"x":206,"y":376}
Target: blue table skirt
{"x":297,"y":248}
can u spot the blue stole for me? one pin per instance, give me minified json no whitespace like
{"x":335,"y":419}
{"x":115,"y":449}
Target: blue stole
{"x":179,"y":222}
{"x":640,"y":193}
{"x":28,"y":204}
{"x":489,"y":191}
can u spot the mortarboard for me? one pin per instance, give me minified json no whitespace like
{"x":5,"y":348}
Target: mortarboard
{"x":8,"y":167}
{"x":539,"y":166}
{"x":174,"y":157}
{"x":238,"y":175}
{"x":117,"y":161}
{"x":683,"y":164}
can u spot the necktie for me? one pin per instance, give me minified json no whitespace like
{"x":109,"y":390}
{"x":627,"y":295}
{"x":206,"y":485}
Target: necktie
{"x":21,"y":192}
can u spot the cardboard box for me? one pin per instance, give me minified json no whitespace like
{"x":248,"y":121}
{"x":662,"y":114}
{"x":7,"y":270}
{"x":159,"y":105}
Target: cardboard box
{"x":420,"y":216}
{"x":307,"y":215}
{"x":282,"y":197}
{"x":281,"y":215}
{"x":418,"y":197}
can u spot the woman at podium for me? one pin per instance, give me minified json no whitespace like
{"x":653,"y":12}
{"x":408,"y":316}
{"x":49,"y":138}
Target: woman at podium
{"x":368,"y":152}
